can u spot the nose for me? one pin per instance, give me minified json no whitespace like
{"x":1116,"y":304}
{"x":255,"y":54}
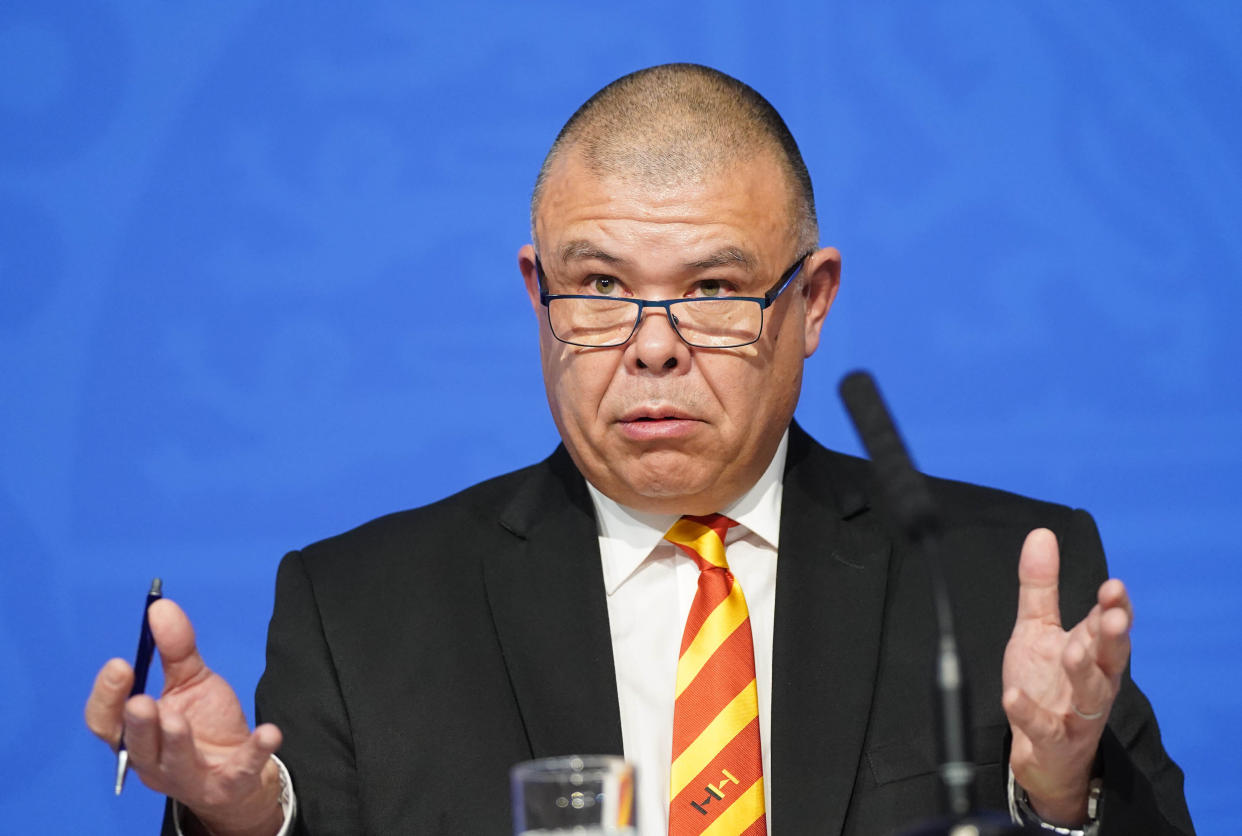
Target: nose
{"x":656,"y":346}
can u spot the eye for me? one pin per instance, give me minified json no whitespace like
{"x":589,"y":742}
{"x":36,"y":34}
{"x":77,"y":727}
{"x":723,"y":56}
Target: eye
{"x":711,"y":288}
{"x":604,"y":285}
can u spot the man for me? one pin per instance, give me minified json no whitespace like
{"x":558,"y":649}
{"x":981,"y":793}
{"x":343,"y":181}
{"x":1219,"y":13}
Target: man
{"x":679,"y":287}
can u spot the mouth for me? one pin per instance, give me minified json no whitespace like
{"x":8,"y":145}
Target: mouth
{"x":649,"y":423}
{"x":655,"y":414}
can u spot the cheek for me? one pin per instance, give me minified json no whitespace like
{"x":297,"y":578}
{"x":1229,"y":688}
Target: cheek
{"x":577,"y":383}
{"x":739,"y":385}
{"x":762,"y":386}
{"x":788,"y":355}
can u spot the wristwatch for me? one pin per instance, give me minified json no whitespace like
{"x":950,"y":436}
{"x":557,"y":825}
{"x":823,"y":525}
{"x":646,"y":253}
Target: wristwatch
{"x":1021,"y":809}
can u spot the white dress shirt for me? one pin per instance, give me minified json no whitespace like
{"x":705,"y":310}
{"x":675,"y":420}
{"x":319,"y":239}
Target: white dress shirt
{"x":650,"y":585}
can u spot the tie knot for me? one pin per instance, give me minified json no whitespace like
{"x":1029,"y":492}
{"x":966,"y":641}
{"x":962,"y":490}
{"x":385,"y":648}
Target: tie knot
{"x":702,"y":538}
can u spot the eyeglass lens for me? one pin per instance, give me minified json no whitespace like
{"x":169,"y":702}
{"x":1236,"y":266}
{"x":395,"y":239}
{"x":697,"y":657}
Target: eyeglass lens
{"x":706,"y":323}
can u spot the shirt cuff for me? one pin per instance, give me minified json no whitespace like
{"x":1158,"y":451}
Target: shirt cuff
{"x":288,"y":803}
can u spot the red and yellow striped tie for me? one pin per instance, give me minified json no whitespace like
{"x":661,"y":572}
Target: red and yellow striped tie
{"x":716,"y":782}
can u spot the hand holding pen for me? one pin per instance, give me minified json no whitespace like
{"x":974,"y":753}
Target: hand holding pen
{"x":191,"y":743}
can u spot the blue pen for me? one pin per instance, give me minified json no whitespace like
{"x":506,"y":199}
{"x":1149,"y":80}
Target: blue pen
{"x":142,"y":664}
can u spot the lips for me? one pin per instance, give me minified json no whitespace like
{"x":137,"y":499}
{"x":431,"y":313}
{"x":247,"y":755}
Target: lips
{"x":656,"y":413}
{"x":656,"y":422}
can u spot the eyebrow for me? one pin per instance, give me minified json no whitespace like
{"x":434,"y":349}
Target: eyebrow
{"x":582,"y":250}
{"x":722,"y":258}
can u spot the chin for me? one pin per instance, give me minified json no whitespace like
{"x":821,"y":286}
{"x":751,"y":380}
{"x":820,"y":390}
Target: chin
{"x":674,"y":492}
{"x":664,"y":481}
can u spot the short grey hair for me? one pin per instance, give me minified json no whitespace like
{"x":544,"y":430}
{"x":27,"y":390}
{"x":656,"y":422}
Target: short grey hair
{"x":681,"y":122}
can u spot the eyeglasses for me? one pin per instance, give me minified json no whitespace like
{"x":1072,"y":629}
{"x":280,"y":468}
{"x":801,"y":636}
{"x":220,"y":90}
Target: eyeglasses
{"x":702,"y":322}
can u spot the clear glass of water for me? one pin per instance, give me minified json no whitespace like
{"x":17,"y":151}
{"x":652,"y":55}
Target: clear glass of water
{"x":574,"y":795}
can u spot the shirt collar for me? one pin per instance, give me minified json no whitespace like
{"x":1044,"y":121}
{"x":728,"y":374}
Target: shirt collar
{"x":628,"y":536}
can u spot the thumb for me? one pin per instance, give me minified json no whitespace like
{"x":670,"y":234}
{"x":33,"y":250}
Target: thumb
{"x":174,"y":638}
{"x":1038,"y":569}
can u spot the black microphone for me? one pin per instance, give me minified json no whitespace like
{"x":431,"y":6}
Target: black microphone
{"x":909,"y":502}
{"x":904,"y":487}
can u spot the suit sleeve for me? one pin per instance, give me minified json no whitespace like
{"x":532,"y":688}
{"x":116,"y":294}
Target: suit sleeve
{"x":300,"y":692}
{"x":1143,"y":790}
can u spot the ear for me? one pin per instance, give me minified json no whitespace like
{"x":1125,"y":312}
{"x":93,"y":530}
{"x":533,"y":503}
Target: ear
{"x":820,"y":279}
{"x":530,"y":275}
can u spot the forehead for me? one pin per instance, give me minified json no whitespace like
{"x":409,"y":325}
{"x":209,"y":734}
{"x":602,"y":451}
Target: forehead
{"x":745,"y":207}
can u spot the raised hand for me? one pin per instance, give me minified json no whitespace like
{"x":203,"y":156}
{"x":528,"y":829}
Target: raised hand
{"x":1059,"y":685}
{"x":193,"y":743}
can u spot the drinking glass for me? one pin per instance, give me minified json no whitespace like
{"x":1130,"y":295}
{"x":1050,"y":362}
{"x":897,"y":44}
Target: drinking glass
{"x":578,"y":795}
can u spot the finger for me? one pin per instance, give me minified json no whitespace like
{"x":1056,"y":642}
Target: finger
{"x":246,"y":762}
{"x":251,"y":757}
{"x":142,"y":732}
{"x":179,"y":759}
{"x":1038,"y":568}
{"x":1114,"y":641}
{"x":174,"y":636}
{"x":270,"y":737}
{"x":106,"y":703}
{"x":1091,"y":691}
{"x":1108,"y":628}
{"x":1026,"y":714}
{"x":1114,"y":595}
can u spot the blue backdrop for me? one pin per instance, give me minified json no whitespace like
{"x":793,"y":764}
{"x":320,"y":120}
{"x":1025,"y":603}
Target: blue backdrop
{"x":258,"y":284}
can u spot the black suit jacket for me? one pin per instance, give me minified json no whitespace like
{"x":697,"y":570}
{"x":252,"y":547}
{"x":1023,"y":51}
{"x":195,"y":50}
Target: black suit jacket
{"x":413,"y":660}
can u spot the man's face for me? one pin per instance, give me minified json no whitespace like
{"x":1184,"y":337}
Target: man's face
{"x":656,"y":424}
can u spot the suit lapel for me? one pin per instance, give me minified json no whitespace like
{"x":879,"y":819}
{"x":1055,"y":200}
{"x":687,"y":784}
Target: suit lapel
{"x":831,"y":577}
{"x":551,"y":615}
